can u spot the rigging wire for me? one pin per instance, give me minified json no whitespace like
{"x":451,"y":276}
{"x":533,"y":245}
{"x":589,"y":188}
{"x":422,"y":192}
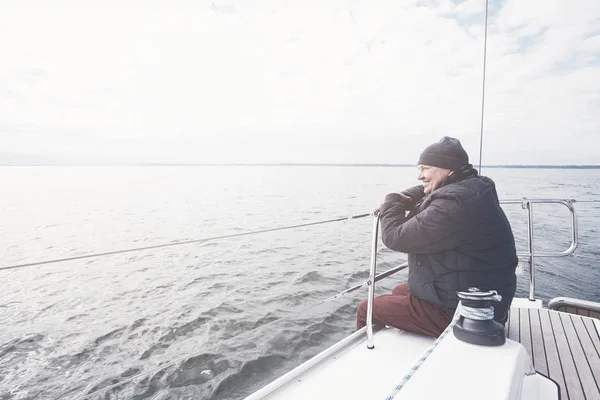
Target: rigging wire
{"x":179,"y":243}
{"x":483,"y":85}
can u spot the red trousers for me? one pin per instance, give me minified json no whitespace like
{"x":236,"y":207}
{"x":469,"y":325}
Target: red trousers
{"x":404,"y":311}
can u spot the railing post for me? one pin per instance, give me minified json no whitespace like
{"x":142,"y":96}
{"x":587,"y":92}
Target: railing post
{"x":574,"y":228}
{"x":531,"y":257}
{"x":371,"y":283}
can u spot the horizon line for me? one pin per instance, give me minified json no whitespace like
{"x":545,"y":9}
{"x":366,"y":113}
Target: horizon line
{"x":573,"y":166}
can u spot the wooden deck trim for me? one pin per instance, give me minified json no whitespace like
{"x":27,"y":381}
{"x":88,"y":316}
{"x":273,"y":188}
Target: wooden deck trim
{"x":562,"y":346}
{"x":587,"y":346}
{"x":539,"y":356}
{"x":557,"y":371}
{"x":593,"y":334}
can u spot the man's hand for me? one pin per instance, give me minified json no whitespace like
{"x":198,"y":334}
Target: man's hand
{"x":412,"y":196}
{"x":404,"y":199}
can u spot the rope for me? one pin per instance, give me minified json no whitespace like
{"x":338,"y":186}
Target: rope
{"x":464,"y":311}
{"x":184,"y":358}
{"x":180,"y":243}
{"x":483,"y":86}
{"x":479,"y":314}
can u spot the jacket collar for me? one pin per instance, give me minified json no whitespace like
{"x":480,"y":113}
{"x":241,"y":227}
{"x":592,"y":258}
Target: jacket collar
{"x":465,"y":172}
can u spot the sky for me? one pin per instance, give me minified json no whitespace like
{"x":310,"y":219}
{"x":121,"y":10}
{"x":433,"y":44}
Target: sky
{"x":302,"y":81}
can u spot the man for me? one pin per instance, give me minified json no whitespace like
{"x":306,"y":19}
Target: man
{"x":456,"y":236}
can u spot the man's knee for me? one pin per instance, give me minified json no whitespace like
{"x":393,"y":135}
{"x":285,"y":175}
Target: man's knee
{"x":362,"y":307}
{"x":361,"y":314}
{"x":401,"y":290}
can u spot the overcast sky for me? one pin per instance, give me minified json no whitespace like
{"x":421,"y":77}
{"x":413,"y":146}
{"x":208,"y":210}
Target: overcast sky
{"x":334,"y":81}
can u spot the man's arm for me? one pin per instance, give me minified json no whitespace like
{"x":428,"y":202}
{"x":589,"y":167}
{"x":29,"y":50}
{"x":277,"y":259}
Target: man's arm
{"x":441,"y":226}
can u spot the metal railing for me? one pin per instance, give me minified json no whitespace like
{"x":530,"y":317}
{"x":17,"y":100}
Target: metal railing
{"x":530,"y":255}
{"x":371,"y":282}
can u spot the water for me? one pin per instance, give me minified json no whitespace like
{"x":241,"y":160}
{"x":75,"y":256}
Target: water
{"x":79,"y":326}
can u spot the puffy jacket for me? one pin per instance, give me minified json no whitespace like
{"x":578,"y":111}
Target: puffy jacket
{"x":457,"y":237}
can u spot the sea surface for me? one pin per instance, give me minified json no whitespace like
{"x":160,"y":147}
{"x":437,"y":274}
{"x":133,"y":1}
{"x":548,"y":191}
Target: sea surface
{"x":219,"y":319}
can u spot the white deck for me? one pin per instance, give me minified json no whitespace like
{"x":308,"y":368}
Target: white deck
{"x":356,"y":372}
{"x":350,"y":370}
{"x":565,"y":347}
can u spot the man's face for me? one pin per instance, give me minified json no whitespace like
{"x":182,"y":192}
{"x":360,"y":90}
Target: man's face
{"x":432,"y":177}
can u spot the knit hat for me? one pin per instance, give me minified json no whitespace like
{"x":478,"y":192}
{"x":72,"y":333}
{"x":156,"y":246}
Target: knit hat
{"x":447,"y":153}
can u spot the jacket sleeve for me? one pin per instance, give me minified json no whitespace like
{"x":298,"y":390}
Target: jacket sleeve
{"x":441,"y":226}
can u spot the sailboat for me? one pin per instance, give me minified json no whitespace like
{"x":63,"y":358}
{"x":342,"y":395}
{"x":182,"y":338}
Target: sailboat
{"x":550,"y":352}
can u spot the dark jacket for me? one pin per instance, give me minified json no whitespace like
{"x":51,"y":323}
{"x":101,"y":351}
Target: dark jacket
{"x":456,"y":238}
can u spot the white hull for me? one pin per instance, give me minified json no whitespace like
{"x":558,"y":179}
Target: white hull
{"x":454,"y":370}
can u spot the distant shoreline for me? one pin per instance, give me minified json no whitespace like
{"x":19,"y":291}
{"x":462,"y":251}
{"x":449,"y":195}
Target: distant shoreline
{"x":363,"y":165}
{"x":292,"y":165}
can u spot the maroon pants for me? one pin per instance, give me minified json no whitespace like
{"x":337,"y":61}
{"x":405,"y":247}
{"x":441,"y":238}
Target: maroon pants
{"x":404,"y":311}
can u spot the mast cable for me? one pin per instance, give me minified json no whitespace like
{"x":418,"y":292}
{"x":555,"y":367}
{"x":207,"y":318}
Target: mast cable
{"x":483,"y":83}
{"x":37,"y":263}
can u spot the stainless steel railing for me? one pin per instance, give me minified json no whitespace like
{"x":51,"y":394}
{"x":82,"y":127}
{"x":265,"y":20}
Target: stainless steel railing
{"x":527,"y":204}
{"x":530,"y":255}
{"x":371,"y":281}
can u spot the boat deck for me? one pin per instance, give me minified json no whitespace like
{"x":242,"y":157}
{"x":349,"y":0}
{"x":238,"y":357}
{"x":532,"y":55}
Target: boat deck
{"x":564,"y":347}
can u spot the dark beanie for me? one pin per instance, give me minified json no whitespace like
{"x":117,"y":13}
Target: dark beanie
{"x":447,"y":153}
